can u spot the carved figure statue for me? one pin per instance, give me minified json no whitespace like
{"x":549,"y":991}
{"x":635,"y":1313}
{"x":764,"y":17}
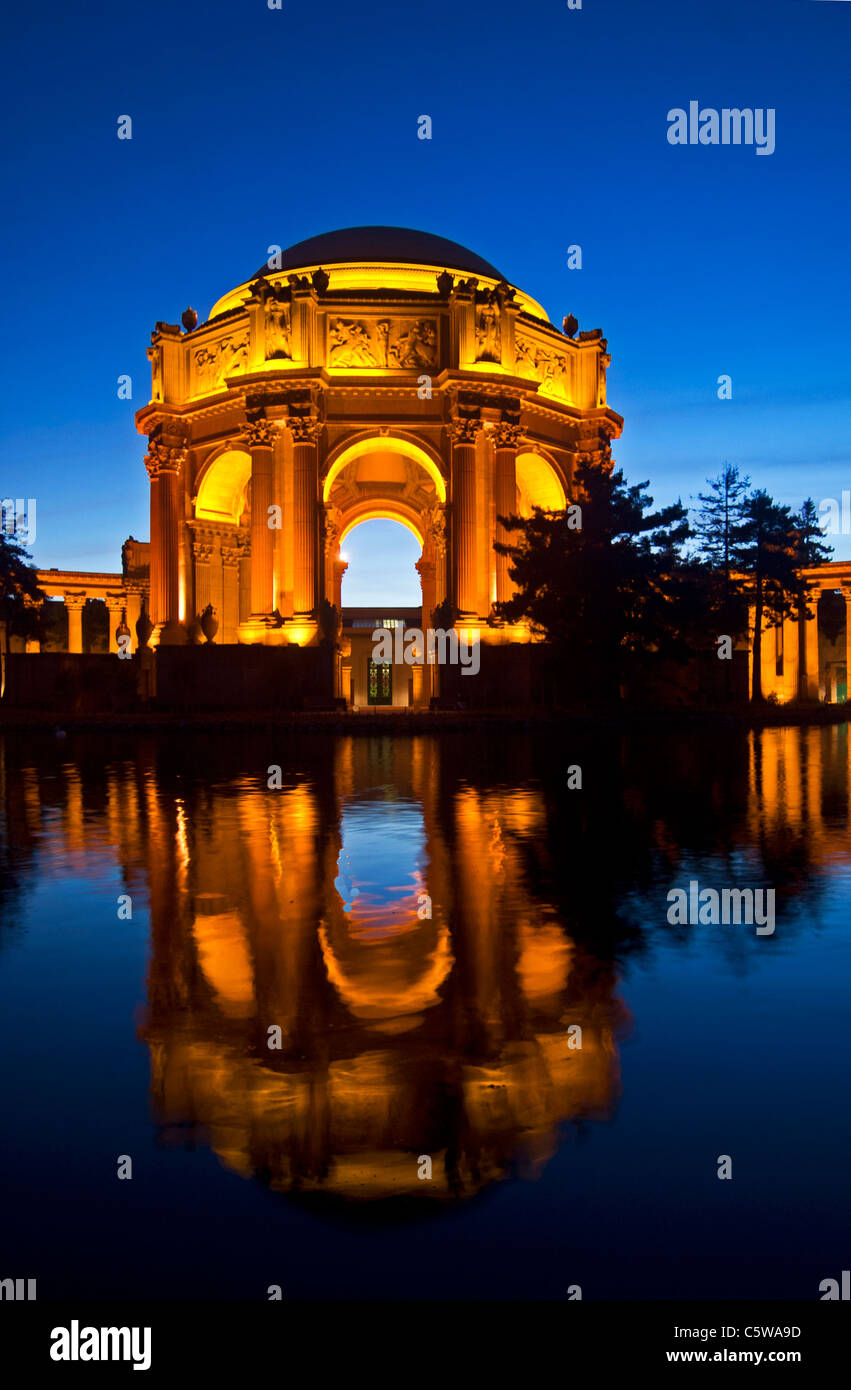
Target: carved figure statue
{"x":417,"y":347}
{"x":350,"y":345}
{"x":488,"y":345}
{"x":278,"y":324}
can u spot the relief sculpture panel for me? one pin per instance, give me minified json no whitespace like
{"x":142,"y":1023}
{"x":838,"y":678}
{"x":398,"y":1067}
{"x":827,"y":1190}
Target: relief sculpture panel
{"x":550,"y":368}
{"x":394,"y":344}
{"x":213,"y":363}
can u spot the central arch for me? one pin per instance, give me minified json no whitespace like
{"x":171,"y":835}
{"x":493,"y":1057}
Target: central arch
{"x":381,"y":590}
{"x":383,"y":511}
{"x":384,"y":444}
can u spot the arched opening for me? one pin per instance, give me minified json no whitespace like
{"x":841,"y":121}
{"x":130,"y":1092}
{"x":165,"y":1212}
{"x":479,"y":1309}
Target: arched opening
{"x":380,"y":591}
{"x":385,"y":947}
{"x":222,"y":488}
{"x":538,"y":485}
{"x":380,"y":554}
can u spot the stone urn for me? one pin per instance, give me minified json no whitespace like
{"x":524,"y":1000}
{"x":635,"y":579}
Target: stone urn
{"x":209,"y":622}
{"x":144,"y":628}
{"x":123,"y":632}
{"x":194,"y":632}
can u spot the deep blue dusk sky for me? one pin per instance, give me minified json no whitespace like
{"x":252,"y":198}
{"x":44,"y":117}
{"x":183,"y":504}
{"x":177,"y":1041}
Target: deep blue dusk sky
{"x":253,"y":127}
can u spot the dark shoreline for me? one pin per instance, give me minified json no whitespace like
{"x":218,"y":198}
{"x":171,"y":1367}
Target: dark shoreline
{"x":437,"y":721}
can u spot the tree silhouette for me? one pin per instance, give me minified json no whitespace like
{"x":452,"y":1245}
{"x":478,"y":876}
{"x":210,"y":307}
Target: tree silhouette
{"x":612,"y":593}
{"x":20,"y":596}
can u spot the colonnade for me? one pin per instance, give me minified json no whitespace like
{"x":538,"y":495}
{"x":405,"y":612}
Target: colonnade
{"x":123,"y":597}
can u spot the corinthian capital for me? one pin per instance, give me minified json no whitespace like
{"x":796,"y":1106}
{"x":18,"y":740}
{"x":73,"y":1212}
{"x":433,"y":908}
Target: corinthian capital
{"x":163,"y":458}
{"x":463,"y":430}
{"x":506,"y":435}
{"x":305,"y":428}
{"x":260,"y":434}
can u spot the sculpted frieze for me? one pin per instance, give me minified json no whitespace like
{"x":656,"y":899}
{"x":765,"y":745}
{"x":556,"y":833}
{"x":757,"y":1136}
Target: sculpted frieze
{"x":213,"y":363}
{"x":396,"y":344}
{"x":549,"y":368}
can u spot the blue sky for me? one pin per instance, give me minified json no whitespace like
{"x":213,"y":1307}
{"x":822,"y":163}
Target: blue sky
{"x":253,"y":126}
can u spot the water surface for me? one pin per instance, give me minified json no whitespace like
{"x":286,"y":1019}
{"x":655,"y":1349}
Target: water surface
{"x":423,"y":929}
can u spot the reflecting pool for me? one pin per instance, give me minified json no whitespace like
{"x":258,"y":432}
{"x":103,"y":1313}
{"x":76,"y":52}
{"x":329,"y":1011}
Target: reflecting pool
{"x":405,"y":1017}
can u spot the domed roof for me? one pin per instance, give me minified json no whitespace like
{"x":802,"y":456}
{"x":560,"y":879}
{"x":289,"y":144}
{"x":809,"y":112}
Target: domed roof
{"x":396,"y":245}
{"x":375,"y":259}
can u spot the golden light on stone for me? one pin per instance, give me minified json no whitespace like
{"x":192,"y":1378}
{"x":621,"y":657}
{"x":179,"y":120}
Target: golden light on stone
{"x":369,"y":373}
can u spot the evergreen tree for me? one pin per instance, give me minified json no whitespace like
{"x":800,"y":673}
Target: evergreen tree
{"x":20,"y":596}
{"x":720,"y":532}
{"x":609,"y":594}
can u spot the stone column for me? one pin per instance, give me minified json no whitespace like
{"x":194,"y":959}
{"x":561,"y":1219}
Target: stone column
{"x":261,"y":436}
{"x":340,"y":567}
{"x":244,"y":578}
{"x":305,"y":431}
{"x":808,"y":648}
{"x":202,"y":554}
{"x":506,"y":440}
{"x":808,"y":678}
{"x":427,"y":570}
{"x":115,"y":608}
{"x":231,"y":556}
{"x":75,"y":603}
{"x":846,"y":594}
{"x":464,"y":433}
{"x":164,"y":464}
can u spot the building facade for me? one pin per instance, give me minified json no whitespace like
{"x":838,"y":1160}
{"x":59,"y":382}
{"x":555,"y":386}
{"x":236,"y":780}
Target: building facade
{"x":371,"y":372}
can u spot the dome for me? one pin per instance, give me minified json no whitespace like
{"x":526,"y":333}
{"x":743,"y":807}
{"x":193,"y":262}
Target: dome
{"x":383,"y":245}
{"x":375,"y":258}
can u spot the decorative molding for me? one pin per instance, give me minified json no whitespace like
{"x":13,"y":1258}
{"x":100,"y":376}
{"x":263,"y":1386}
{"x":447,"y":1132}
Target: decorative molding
{"x":333,"y":529}
{"x":435,"y":523}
